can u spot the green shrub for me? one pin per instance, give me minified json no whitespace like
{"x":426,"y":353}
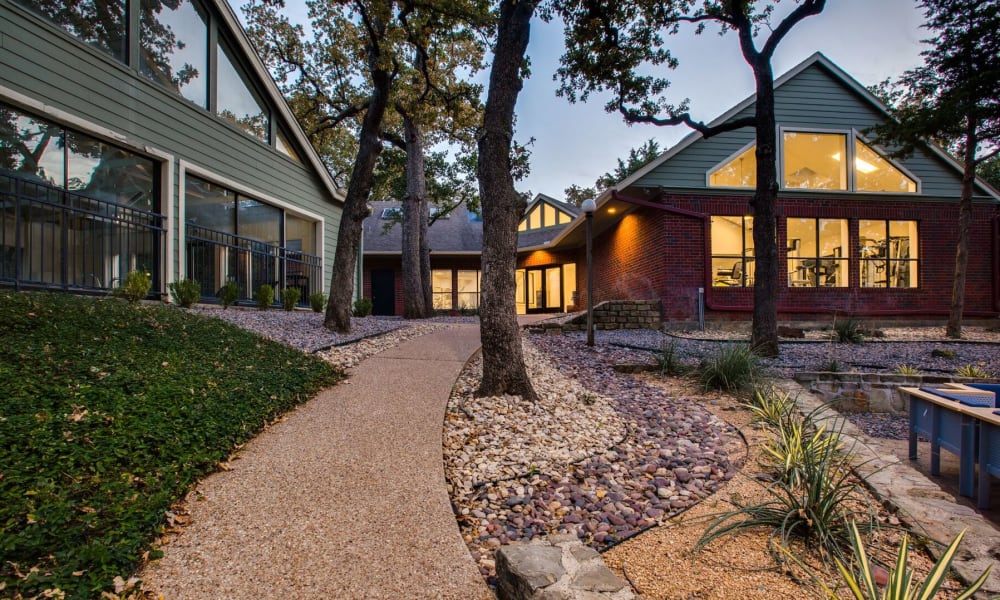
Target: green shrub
{"x":796,"y":445}
{"x":668,"y":360}
{"x":317,"y":301}
{"x":289,"y":298}
{"x":830,"y":366}
{"x":264,"y":297}
{"x":135,"y":287}
{"x":362,"y":307}
{"x":900,"y":585}
{"x":849,"y":330}
{"x":905,"y":369}
{"x":185,"y":292}
{"x":971,"y":371}
{"x":943,"y":353}
{"x":734,"y":367}
{"x":229,"y":294}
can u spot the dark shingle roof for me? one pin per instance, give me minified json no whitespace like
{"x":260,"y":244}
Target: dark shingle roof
{"x":456,"y":234}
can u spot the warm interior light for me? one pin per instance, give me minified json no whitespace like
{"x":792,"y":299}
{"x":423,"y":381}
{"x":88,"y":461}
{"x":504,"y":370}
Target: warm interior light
{"x":861,"y":165}
{"x":864,"y":166}
{"x":612,"y":210}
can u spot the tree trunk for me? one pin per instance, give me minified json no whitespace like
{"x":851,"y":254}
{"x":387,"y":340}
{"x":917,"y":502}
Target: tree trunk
{"x":764,"y":332}
{"x":425,"y":259}
{"x":503,"y":360}
{"x":338,"y":309}
{"x":415,"y":202}
{"x":954,"y":328}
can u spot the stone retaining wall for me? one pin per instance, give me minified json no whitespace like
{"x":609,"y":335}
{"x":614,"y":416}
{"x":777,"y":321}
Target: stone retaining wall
{"x":616,"y":314}
{"x":557,"y":568}
{"x":869,"y":392}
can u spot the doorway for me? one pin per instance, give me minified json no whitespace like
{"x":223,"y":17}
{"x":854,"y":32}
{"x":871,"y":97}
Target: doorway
{"x":540,"y":290}
{"x":384,"y":292}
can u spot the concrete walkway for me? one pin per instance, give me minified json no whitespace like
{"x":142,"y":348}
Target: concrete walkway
{"x":346,"y":498}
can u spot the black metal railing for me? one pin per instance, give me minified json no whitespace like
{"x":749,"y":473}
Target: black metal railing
{"x":216,"y":257}
{"x":54,"y":238}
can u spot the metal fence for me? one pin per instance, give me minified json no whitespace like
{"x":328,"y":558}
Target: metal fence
{"x":54,"y":238}
{"x":215,"y":258}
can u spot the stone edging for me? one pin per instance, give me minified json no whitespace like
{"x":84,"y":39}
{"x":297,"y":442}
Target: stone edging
{"x":870,"y":392}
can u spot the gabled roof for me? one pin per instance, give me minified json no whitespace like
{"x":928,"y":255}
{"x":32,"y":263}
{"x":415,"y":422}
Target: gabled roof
{"x":565,"y":207}
{"x":608,"y":195}
{"x":458,"y":234}
{"x":231,"y":22}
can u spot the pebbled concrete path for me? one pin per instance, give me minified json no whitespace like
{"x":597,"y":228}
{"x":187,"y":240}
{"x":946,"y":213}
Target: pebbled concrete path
{"x":346,"y":498}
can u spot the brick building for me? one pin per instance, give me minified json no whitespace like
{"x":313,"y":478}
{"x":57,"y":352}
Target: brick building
{"x":858,"y":232}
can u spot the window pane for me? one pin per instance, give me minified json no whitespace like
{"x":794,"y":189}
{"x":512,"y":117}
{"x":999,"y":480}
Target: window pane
{"x":103,"y":171}
{"x":549,"y":216}
{"x":300,"y":234}
{"x":468,"y":289}
{"x":902,"y":249}
{"x":174,"y":47}
{"x":815,"y":161}
{"x":888,"y":253}
{"x":441,"y":282}
{"x":732,"y":251}
{"x":569,"y":284}
{"x":284,"y":147}
{"x":875,"y":174}
{"x":209,"y":205}
{"x":871,"y":236}
{"x":739,"y":172}
{"x":535,"y":218}
{"x":816,"y":254}
{"x":236,"y":102}
{"x":520,"y":291}
{"x":564,"y":218}
{"x":31,"y":148}
{"x":100,"y":23}
{"x":259,"y":221}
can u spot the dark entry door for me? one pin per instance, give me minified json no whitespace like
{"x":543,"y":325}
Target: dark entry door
{"x":383,"y":292}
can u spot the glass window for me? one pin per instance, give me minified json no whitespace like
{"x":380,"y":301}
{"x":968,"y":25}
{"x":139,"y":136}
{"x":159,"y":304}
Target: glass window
{"x":392,"y":213}
{"x":888,"y":253}
{"x":31,"y":147}
{"x":553,"y":288}
{"x":569,"y":284}
{"x":564,"y":218}
{"x":548,"y":216}
{"x":441,"y":283}
{"x":875,"y":174}
{"x":300,"y":233}
{"x":535,"y":218}
{"x":173,"y":47}
{"x":732,"y":251}
{"x":816,"y":252}
{"x":468,"y":289}
{"x":739,"y":172}
{"x":236,"y":101}
{"x":815,"y":161}
{"x":209,"y":205}
{"x":283,"y":146}
{"x":523,"y":225}
{"x":100,"y":170}
{"x":100,"y":23}
{"x":259,"y":221}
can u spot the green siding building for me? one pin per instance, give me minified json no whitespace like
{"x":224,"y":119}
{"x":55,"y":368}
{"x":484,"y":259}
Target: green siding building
{"x":137,"y":136}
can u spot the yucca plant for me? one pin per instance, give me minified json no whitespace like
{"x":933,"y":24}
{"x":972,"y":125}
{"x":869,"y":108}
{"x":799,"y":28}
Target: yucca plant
{"x":905,"y":369}
{"x":848,"y":330}
{"x":971,"y":371}
{"x":770,"y":405}
{"x":797,"y":445}
{"x":734,"y":367}
{"x":900,"y":585}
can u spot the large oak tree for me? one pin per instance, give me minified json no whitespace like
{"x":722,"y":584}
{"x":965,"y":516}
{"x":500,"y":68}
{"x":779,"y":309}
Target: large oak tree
{"x":613,"y":47}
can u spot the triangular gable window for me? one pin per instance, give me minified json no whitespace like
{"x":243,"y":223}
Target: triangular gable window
{"x":739,"y":172}
{"x":542,"y":216}
{"x":816,"y":161}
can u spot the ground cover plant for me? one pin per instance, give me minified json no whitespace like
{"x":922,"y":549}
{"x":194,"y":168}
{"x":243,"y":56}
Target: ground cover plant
{"x":110,"y":412}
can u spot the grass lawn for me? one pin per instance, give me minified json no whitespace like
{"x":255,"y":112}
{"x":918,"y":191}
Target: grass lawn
{"x":109,"y":412}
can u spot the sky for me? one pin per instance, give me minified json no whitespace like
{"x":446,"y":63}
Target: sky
{"x":576,"y":143}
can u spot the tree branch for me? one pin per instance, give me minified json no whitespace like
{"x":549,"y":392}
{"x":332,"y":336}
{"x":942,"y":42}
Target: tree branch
{"x":633,"y":116}
{"x":807,"y":9}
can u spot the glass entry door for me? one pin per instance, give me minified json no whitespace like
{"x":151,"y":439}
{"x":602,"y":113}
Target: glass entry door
{"x":539,"y":290}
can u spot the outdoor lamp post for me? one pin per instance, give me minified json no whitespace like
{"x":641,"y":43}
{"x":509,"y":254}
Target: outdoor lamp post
{"x":589,"y":206}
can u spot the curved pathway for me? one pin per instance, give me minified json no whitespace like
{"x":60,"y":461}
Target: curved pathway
{"x":345,"y":498}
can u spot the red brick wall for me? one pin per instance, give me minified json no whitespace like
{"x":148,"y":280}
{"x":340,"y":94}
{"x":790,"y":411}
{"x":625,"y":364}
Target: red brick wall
{"x":653,"y":253}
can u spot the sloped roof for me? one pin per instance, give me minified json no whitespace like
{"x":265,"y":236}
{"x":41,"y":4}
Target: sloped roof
{"x":456,"y":234}
{"x":230,"y":21}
